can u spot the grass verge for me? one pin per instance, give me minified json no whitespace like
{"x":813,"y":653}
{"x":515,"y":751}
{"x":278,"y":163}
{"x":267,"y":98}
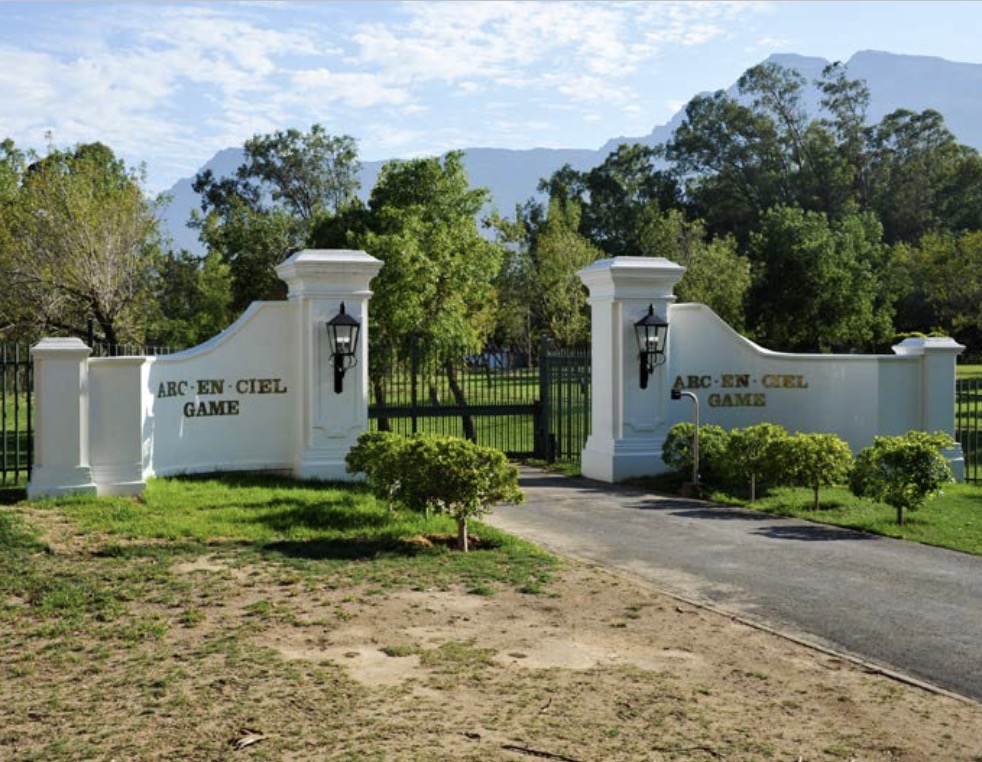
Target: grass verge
{"x":951,"y":520}
{"x":313,"y":528}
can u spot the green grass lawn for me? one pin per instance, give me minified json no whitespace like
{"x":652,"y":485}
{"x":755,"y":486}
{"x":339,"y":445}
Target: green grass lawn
{"x":968,"y":371}
{"x":311,"y":527}
{"x":951,"y":520}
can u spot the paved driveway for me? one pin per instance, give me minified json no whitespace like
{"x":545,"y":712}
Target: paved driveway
{"x":909,"y":607}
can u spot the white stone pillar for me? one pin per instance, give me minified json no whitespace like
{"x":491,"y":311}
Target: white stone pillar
{"x":119,"y":444}
{"x":61,"y":419}
{"x":628,"y":422}
{"x":319,"y":281}
{"x":937,"y":393}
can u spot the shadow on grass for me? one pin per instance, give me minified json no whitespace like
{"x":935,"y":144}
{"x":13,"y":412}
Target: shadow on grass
{"x":155,"y":550}
{"x":284,"y":514}
{"x":340,"y":549}
{"x":12,"y":495}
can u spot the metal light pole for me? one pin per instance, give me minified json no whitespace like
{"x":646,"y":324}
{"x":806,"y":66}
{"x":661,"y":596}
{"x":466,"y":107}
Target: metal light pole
{"x":678,"y":394}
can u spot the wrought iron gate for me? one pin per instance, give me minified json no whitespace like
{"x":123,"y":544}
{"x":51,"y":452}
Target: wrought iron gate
{"x":502,"y":399}
{"x":16,"y":424}
{"x":968,"y":425}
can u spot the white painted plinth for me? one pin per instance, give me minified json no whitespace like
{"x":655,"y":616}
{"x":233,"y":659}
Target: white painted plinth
{"x":629,"y":423}
{"x":61,"y":423}
{"x":319,"y":282}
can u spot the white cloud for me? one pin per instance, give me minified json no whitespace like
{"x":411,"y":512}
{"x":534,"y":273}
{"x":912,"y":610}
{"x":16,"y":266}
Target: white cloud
{"x":531,"y":44}
{"x":771,"y":43}
{"x":355,"y":89}
{"x":172,"y":83}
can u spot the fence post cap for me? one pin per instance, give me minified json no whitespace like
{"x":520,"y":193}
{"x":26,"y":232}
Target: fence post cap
{"x":915,"y":345}
{"x":61,"y":347}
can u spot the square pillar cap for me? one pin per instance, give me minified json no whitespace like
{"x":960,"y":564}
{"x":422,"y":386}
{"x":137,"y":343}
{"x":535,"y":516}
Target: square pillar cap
{"x":914,"y":345}
{"x":328,"y":272}
{"x":68,"y":348}
{"x":632,"y":277}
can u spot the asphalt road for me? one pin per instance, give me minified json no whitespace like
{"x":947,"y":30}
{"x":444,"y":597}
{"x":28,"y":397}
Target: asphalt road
{"x":911,"y":608}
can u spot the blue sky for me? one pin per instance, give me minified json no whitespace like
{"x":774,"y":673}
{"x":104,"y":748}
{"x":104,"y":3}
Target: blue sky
{"x":169,"y":84}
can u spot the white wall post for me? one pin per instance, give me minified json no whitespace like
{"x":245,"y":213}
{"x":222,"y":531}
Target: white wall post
{"x":61,"y":422}
{"x":117,"y":416}
{"x":938,"y":358}
{"x":319,"y":281}
{"x":629,"y":423}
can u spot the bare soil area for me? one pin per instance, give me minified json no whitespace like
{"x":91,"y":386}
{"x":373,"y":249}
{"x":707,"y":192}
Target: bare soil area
{"x":227,"y":655}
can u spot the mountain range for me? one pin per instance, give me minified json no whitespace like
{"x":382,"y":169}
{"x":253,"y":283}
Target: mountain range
{"x":895,"y":81}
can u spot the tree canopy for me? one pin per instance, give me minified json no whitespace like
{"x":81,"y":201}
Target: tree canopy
{"x":78,"y":241}
{"x":800,"y":220}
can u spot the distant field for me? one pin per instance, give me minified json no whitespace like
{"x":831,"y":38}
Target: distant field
{"x":968,"y":371}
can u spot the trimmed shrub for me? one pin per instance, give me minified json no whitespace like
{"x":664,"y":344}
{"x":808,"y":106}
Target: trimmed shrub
{"x":754,"y":456}
{"x":902,"y":471}
{"x":377,"y":455}
{"x":815,"y":460}
{"x":677,"y":451}
{"x":456,"y":477}
{"x":430,"y":473}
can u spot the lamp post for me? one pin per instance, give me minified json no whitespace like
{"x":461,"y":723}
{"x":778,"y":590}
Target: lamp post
{"x":652,"y":333}
{"x":342,"y":331}
{"x":678,"y":394}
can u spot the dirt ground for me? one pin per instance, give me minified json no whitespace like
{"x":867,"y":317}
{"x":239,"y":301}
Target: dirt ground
{"x":254,"y":661}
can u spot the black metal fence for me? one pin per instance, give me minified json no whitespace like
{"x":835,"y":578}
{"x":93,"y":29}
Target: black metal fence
{"x":564,"y":389}
{"x":499,"y":398}
{"x":103,"y":349}
{"x":16,"y":418}
{"x":968,"y":425}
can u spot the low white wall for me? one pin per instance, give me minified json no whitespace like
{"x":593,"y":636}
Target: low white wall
{"x":739,"y":383}
{"x":259,"y":396}
{"x":229,"y":404}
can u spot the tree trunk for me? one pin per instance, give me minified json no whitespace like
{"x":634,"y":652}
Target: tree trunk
{"x":753,"y":488}
{"x":900,"y":515}
{"x":379,"y":386}
{"x":816,"y":498}
{"x":461,"y":399}
{"x":462,"y":534}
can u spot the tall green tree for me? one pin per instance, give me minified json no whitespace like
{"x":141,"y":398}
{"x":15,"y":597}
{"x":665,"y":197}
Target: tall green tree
{"x":193,"y":297}
{"x":816,"y":285}
{"x":290,"y":183}
{"x":439,"y":270}
{"x":946,"y":270}
{"x":733,"y":165}
{"x":80,"y":241}
{"x":437,"y":284}
{"x":624,"y":197}
{"x":923,"y":179}
{"x":716,"y":274}
{"x":539,"y":291}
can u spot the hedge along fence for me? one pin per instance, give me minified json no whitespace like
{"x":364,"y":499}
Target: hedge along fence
{"x":429,"y":473}
{"x":903,"y":471}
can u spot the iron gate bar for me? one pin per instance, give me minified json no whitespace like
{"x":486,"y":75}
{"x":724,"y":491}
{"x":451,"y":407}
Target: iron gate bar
{"x":16,"y":400}
{"x":450,"y":411}
{"x":540,"y":412}
{"x":968,"y":427}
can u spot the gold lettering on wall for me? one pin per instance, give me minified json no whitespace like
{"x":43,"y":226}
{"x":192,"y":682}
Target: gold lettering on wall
{"x":214,"y":387}
{"x":740,"y":381}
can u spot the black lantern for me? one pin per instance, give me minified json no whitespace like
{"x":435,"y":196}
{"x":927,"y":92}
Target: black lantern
{"x":342,"y":330}
{"x":651,"y":332}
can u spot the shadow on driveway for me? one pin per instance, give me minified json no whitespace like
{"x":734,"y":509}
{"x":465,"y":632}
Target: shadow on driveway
{"x":811,"y":533}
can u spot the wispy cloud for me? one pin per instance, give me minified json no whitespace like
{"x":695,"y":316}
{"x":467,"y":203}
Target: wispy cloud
{"x":173,"y":83}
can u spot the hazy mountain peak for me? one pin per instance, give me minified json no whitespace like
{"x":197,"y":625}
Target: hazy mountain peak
{"x":894,"y":80}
